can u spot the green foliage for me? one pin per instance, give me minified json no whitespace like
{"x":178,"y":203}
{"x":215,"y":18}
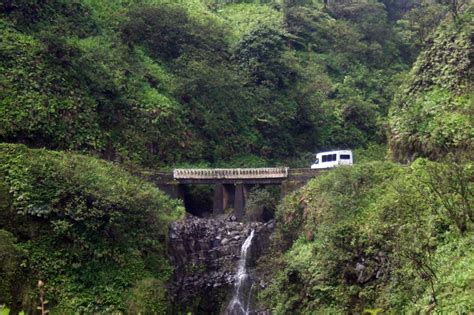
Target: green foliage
{"x":445,"y":63}
{"x":12,"y":283}
{"x":455,"y":261}
{"x":59,"y":16}
{"x":158,"y":83}
{"x":168,"y":32}
{"x":449,"y":191}
{"x":261,"y":204}
{"x":310,"y":29}
{"x":373,"y":152}
{"x":432,"y":115}
{"x":36,"y":103}
{"x":6,"y":311}
{"x":419,"y":22}
{"x":76,"y":97}
{"x":213,"y":93}
{"x":144,"y":297}
{"x":91,"y":231}
{"x":259,"y":53}
{"x":432,"y":124}
{"x":370,"y":18}
{"x":376,"y":235}
{"x":242,"y":18}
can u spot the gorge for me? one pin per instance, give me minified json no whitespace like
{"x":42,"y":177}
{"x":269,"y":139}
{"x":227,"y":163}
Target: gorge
{"x":101,"y":100}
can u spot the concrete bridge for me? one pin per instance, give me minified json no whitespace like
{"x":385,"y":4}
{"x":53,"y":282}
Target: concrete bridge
{"x":231,"y":185}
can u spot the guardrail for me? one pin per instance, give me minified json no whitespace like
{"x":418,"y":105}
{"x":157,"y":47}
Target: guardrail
{"x":231,"y":173}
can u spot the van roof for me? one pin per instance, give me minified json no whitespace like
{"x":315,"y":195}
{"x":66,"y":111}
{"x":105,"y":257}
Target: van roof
{"x":335,"y":152}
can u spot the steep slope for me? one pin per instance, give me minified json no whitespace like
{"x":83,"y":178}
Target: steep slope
{"x":91,"y":232}
{"x":375,"y":236}
{"x":159,"y":82}
{"x":381,"y":237}
{"x":433,"y":114}
{"x":72,"y":85}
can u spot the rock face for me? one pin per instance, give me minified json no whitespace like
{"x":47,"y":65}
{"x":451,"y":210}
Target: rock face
{"x":205,"y":253}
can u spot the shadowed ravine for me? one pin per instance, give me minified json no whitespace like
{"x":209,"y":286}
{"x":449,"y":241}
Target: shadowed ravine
{"x":240,"y":302}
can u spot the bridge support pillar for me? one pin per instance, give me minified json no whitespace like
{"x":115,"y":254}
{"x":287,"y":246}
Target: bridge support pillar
{"x":241,"y":194}
{"x":218,"y":202}
{"x":223,"y":198}
{"x":230,"y":195}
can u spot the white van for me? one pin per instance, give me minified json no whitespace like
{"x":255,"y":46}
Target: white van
{"x":333,"y":159}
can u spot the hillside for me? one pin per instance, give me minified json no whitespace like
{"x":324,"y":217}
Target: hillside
{"x":95,"y":234}
{"x":157,"y":83}
{"x":433,"y":113}
{"x":375,"y":236}
{"x":379,"y":237}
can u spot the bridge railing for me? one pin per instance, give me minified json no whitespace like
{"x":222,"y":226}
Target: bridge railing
{"x":231,"y":173}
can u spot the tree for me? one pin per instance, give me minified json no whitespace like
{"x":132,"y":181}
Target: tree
{"x":296,"y":3}
{"x":455,"y":6}
{"x":396,"y":9}
{"x":259,"y":53}
{"x":418,"y":23}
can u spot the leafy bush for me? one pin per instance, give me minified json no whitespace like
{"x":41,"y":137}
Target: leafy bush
{"x":261,"y":204}
{"x":36,"y":104}
{"x":433,"y":124}
{"x":259,"y":53}
{"x":373,"y":152}
{"x":60,"y":16}
{"x":12,"y":263}
{"x":244,"y":17}
{"x":148,"y":297}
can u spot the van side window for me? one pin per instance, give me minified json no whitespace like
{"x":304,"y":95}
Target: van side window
{"x":325,"y":158}
{"x":345,"y":157}
{"x":334,"y":157}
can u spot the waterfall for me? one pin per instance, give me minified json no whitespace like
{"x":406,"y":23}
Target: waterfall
{"x":240,"y":302}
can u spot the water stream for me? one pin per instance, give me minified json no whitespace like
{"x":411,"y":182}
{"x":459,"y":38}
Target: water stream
{"x":240,"y":302}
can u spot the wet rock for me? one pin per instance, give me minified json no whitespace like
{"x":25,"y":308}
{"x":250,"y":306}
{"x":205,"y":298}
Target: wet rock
{"x":204,"y":254}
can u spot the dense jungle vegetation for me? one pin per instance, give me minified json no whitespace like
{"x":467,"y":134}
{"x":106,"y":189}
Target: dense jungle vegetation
{"x":376,"y":236}
{"x":90,"y":90}
{"x":156,"y":83}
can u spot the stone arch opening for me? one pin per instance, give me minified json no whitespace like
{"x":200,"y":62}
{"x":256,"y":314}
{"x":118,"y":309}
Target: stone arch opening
{"x":198,"y":199}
